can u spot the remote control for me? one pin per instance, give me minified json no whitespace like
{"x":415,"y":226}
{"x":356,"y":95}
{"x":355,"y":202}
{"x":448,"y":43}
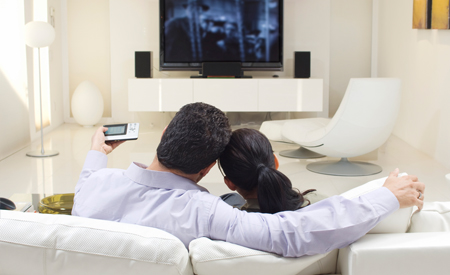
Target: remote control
{"x":127,"y":131}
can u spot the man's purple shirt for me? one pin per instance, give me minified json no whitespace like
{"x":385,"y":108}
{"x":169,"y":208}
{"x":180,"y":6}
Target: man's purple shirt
{"x":181,"y":207}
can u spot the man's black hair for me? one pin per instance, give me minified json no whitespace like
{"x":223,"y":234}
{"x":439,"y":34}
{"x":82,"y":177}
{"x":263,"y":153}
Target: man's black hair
{"x":194,"y":139}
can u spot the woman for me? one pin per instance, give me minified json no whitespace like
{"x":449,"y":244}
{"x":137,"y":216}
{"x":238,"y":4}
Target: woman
{"x":250,"y":168}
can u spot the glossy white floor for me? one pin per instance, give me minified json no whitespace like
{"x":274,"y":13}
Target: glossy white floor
{"x":22,"y":174}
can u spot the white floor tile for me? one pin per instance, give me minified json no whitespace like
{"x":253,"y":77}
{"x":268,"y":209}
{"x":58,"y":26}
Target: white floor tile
{"x":22,"y":174}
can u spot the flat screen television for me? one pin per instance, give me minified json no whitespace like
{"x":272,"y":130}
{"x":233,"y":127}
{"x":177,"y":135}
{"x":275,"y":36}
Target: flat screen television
{"x":245,"y":31}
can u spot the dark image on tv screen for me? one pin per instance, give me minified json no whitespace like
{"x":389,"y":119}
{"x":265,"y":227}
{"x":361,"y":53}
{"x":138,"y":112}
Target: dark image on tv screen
{"x":196,"y":31}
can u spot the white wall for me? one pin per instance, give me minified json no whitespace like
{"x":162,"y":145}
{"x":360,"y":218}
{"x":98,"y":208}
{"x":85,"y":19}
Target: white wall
{"x":134,"y":26}
{"x":421,"y":58}
{"x":56,"y":69}
{"x":14,"y":116}
{"x":307,"y":28}
{"x":89,"y":47}
{"x":351,"y":46}
{"x":16,"y":77}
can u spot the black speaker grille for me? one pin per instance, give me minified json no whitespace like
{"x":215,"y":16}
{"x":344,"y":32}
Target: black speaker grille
{"x":302,"y":64}
{"x":142,"y":64}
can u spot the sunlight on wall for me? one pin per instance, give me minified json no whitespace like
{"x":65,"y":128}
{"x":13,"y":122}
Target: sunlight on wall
{"x":40,"y":14}
{"x":12,"y":50}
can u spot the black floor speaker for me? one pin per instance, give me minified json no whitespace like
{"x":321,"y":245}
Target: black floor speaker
{"x":142,"y":64}
{"x":302,"y":64}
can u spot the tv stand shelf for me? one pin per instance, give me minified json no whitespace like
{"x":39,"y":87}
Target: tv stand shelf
{"x":229,"y":95}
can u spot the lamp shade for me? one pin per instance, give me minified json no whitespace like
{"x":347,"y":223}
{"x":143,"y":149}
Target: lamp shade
{"x":39,"y":34}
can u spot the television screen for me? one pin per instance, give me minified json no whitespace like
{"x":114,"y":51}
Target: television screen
{"x":196,"y":31}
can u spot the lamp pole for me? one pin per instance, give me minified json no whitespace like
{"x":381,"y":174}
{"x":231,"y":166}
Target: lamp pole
{"x":37,"y":35}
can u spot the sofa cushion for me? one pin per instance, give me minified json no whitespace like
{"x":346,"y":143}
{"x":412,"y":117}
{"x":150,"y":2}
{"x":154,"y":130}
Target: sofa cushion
{"x":397,"y":222}
{"x":58,"y":244}
{"x":218,"y":257}
{"x":434,"y":217}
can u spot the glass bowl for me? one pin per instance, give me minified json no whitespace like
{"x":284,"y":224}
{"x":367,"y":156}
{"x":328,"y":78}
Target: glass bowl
{"x":57,"y":204}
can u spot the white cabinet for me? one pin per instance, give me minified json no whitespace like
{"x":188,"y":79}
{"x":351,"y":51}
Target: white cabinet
{"x":232,"y":95}
{"x":290,"y":95}
{"x":174,"y":94}
{"x":143,"y":95}
{"x":229,"y":95}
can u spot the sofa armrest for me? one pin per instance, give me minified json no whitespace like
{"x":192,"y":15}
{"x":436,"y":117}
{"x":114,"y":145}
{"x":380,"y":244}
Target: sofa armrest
{"x":59,"y":244}
{"x":218,"y":257}
{"x":393,"y":254}
{"x":434,"y":217}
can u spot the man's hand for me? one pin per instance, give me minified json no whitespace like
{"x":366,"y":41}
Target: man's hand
{"x":408,"y":190}
{"x":99,"y":143}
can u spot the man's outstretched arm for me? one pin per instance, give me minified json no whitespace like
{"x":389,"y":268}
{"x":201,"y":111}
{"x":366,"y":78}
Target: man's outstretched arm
{"x":99,"y":143}
{"x":96,"y":158}
{"x":329,"y":224}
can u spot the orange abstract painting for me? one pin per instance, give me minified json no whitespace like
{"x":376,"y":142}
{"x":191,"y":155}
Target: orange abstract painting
{"x":439,"y":14}
{"x":431,"y":14}
{"x":420,"y":14}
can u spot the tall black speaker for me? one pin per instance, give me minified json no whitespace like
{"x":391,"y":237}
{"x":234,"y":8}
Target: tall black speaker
{"x":302,"y":64}
{"x":142,"y":64}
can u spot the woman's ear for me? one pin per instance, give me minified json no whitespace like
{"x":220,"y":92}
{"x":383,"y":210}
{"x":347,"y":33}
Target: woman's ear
{"x":230,"y":185}
{"x":277,"y":163}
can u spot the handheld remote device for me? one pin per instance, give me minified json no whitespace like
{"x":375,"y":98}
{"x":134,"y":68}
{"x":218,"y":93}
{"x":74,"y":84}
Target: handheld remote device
{"x":127,"y":131}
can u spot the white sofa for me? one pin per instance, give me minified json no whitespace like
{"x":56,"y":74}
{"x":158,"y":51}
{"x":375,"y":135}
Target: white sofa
{"x":41,"y":244}
{"x":57,"y":244}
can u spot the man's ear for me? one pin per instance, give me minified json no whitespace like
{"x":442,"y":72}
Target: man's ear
{"x":164,"y":130}
{"x":277,"y":163}
{"x":230,"y":184}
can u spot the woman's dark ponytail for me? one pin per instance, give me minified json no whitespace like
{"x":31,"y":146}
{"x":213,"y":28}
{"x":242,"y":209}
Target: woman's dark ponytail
{"x":275,"y":191}
{"x":249,"y":163}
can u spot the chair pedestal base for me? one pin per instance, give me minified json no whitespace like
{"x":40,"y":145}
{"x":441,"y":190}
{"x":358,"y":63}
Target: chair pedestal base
{"x":300,"y":153}
{"x":344,"y":168}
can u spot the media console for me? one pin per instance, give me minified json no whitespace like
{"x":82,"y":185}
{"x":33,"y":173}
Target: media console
{"x":229,"y":95}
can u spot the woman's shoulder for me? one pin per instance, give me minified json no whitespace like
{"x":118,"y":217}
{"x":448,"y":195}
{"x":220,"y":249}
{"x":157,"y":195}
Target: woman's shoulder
{"x":313,"y":197}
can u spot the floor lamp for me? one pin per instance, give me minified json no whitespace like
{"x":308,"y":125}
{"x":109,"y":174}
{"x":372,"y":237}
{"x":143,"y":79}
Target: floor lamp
{"x":40,"y":34}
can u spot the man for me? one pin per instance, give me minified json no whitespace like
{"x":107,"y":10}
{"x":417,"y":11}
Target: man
{"x":166,"y":195}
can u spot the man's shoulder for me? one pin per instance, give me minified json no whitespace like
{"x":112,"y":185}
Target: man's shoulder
{"x":109,"y":171}
{"x":202,"y":195}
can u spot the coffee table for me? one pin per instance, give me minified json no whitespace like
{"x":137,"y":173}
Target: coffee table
{"x":27,"y":202}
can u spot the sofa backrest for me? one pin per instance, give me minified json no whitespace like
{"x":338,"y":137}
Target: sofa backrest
{"x":397,"y":222}
{"x":58,"y":244}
